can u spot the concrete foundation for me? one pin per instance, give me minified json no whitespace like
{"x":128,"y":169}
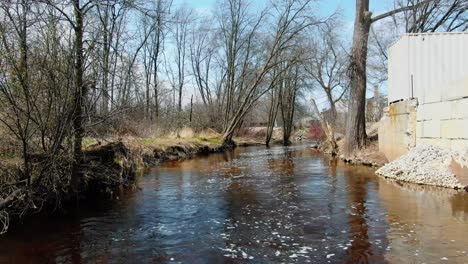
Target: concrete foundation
{"x":406,"y":124}
{"x":397,"y":129}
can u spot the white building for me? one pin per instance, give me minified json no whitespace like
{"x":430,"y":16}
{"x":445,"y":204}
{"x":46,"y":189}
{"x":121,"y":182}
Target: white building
{"x":428,"y":92}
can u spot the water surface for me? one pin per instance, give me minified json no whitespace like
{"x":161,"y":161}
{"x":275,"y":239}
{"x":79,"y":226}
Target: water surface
{"x":254,"y":205}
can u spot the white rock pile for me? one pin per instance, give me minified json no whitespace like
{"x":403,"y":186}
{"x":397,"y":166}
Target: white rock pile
{"x":427,"y":164}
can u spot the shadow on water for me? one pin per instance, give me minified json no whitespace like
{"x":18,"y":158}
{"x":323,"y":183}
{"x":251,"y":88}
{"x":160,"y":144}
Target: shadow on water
{"x":254,"y":205}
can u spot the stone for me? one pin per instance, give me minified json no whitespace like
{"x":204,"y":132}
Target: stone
{"x":427,"y":164}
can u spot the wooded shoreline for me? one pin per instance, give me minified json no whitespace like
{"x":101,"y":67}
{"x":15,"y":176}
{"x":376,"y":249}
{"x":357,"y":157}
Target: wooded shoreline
{"x":106,"y":168}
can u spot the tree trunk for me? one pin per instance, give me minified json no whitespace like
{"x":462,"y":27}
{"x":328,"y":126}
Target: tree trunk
{"x":191,"y":109}
{"x":356,"y":124}
{"x":272,"y":113}
{"x":156,"y":51}
{"x":288,"y":122}
{"x":105,"y":74}
{"x":156,"y":95}
{"x":288,"y":102}
{"x":80,"y":97}
{"x":148,"y":102}
{"x":24,"y":70}
{"x":333,"y":112}
{"x":179,"y":102}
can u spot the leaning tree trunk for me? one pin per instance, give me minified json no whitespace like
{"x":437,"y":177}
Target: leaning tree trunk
{"x":356,"y":124}
{"x":327,"y":128}
{"x":333,"y":113}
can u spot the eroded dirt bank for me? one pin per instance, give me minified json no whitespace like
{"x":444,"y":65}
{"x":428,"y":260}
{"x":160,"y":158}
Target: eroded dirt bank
{"x":106,"y":168}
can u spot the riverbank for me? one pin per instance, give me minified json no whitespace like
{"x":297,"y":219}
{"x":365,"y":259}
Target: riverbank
{"x":148,"y":152}
{"x":106,"y":167}
{"x":368,"y":156}
{"x":423,"y":165}
{"x":275,"y":205}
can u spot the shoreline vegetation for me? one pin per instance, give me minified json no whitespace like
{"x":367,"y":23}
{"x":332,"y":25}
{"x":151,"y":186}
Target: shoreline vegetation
{"x":107,"y":166}
{"x":369,"y":155}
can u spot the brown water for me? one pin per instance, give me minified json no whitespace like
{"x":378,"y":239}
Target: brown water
{"x":254,"y":205}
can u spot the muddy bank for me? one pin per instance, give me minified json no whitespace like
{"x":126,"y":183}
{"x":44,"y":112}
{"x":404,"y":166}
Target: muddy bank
{"x":129,"y":157}
{"x":368,"y":156}
{"x":106,"y":168}
{"x":429,"y":165}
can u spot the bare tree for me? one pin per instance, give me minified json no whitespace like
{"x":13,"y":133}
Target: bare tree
{"x":356,"y":123}
{"x":327,"y":128}
{"x":207,"y":68}
{"x":17,"y":92}
{"x":327,"y":67}
{"x":76,"y":22}
{"x":436,"y":15}
{"x":155,"y":24}
{"x":275,"y":100}
{"x":245,"y":89}
{"x":81,"y":91}
{"x":289,"y":93}
{"x":182,"y":20}
{"x":111,"y":15}
{"x":202,"y":52}
{"x":36,"y":97}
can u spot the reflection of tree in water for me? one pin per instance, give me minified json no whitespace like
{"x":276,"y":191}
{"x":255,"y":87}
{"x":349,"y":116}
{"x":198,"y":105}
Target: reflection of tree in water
{"x":361,"y":250}
{"x":238,"y":197}
{"x":228,"y":155}
{"x":282,"y":172}
{"x":282,"y":165}
{"x":459,"y":203}
{"x":258,"y":205}
{"x":359,"y":181}
{"x":332,"y":165}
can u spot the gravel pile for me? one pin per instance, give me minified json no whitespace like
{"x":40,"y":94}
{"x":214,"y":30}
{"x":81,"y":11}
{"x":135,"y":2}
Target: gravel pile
{"x":428,"y":165}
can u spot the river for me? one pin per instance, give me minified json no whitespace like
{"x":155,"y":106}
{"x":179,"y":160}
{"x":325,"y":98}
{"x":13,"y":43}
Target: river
{"x":254,"y":205}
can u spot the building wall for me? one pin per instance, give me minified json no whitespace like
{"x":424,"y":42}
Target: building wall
{"x":407,"y":124}
{"x":397,"y":129}
{"x":444,"y":123}
{"x":433,"y":69}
